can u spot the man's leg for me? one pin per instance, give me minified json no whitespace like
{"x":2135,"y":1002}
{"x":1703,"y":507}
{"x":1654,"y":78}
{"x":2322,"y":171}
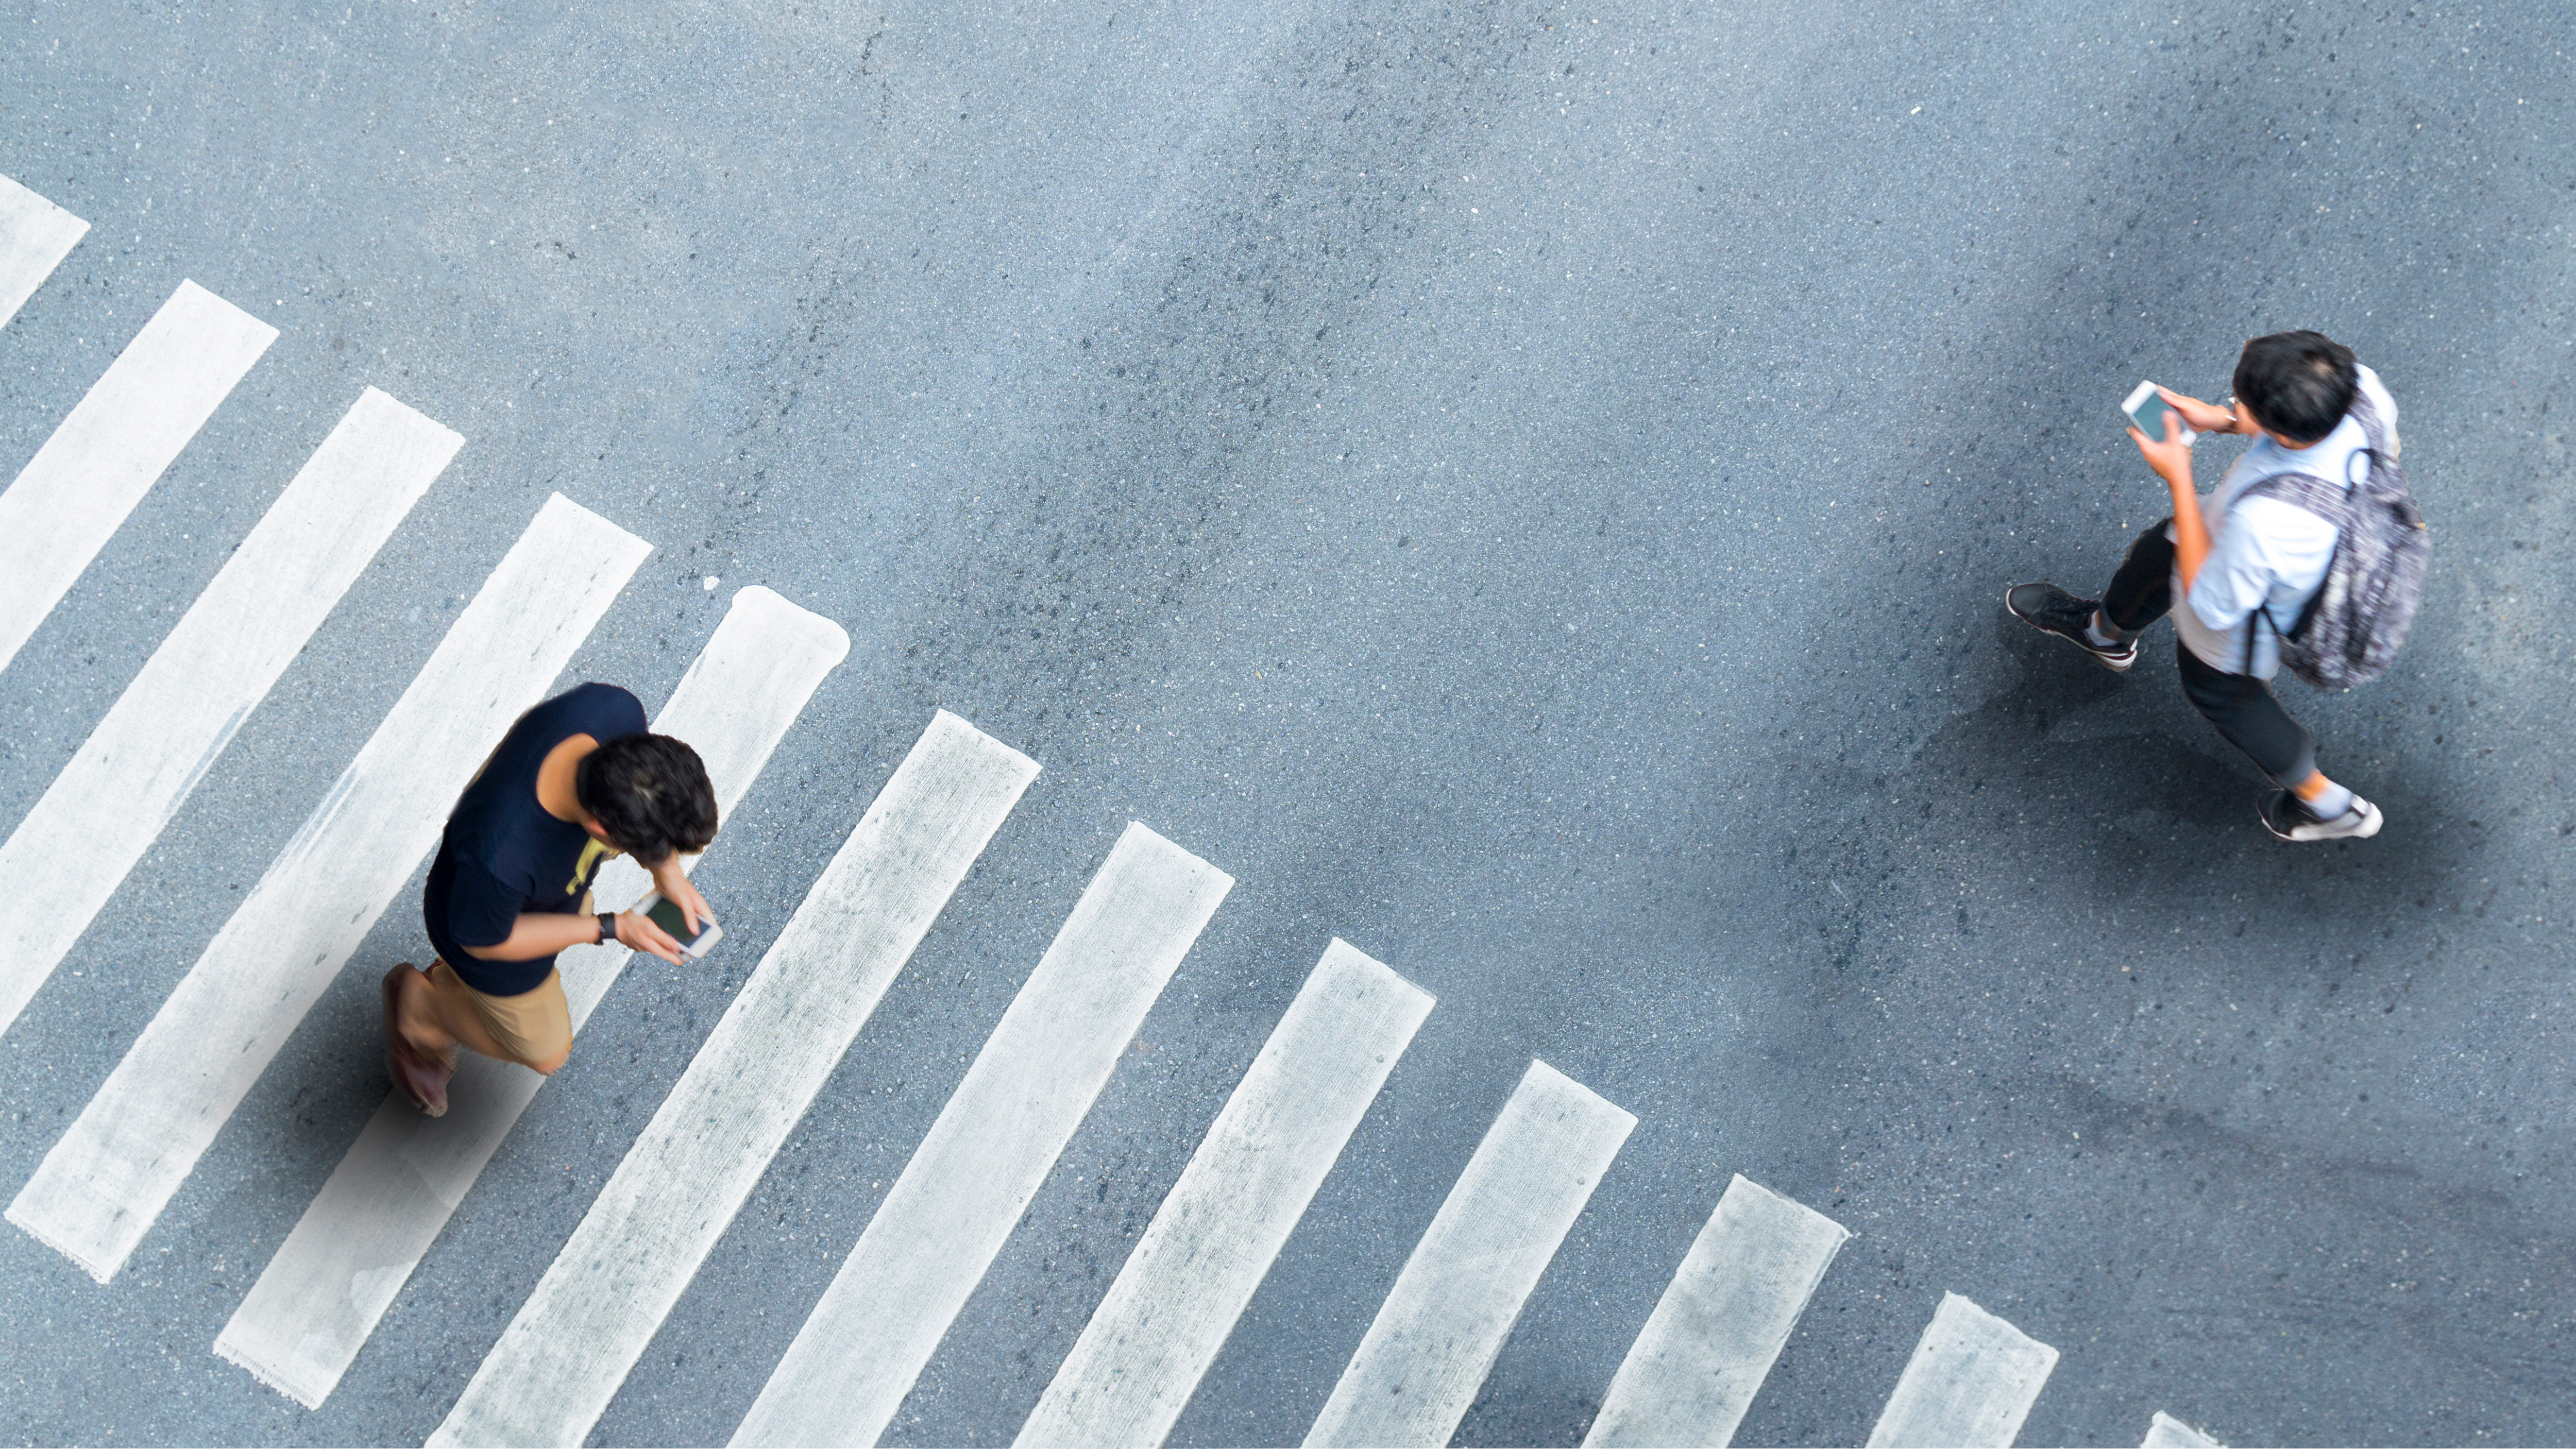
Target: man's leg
{"x":2246,"y":711}
{"x":2107,"y":628}
{"x":437,"y":1021}
{"x":440,"y":1013}
{"x":2141,"y":591}
{"x":533,"y":1028}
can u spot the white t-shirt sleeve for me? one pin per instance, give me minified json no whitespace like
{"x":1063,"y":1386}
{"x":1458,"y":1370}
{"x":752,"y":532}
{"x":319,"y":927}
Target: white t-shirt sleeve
{"x":2265,"y":542}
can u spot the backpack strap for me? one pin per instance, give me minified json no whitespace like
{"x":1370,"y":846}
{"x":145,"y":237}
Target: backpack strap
{"x":2328,"y":500}
{"x":2323,"y":497}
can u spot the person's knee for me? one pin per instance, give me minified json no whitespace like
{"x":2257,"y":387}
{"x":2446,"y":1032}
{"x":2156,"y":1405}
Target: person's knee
{"x":545,"y":1051}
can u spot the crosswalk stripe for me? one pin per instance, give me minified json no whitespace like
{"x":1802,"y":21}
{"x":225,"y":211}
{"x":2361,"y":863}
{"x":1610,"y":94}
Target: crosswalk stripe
{"x":357,"y":1244}
{"x":948,"y":1216}
{"x":114,"y":446}
{"x":1442,"y":1325}
{"x":1721,"y":1323}
{"x":1212,"y":1241}
{"x":108,"y":805}
{"x":35,"y":236}
{"x":2165,"y":1431}
{"x":563,"y":1357}
{"x":1970,"y":1383}
{"x":102,"y":1186}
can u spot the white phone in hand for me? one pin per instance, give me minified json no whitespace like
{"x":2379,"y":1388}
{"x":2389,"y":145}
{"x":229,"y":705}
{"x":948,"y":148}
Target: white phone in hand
{"x":2147,"y":408}
{"x":675,"y":922}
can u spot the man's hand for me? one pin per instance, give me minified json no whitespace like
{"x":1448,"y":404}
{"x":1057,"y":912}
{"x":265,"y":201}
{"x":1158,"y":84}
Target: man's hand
{"x":2203,"y":417}
{"x":675,"y":888}
{"x":636,"y":932}
{"x":2170,"y":456}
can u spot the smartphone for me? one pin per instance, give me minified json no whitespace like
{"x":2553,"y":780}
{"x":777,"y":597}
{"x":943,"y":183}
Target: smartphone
{"x":2147,"y":408}
{"x":676,"y":922}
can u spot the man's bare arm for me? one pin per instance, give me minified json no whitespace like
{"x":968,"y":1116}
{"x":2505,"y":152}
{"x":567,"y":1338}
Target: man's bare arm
{"x":2171,"y":458}
{"x":543,"y":933}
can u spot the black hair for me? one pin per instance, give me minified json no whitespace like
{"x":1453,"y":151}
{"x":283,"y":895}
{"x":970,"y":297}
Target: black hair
{"x":650,"y":793}
{"x":2297,"y":384}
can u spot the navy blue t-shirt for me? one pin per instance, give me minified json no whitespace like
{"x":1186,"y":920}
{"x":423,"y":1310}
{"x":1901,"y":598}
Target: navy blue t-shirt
{"x":503,"y":855}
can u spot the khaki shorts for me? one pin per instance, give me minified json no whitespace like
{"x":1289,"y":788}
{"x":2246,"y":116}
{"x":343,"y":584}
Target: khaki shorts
{"x":534,"y":1026}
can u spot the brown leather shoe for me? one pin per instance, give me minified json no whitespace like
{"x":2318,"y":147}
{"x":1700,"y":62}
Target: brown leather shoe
{"x":422,"y":1077}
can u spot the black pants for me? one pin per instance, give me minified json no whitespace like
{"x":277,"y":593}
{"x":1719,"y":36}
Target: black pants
{"x":2240,"y":707}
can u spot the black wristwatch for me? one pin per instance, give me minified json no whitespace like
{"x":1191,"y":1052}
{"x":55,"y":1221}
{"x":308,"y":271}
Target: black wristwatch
{"x":607,"y":927}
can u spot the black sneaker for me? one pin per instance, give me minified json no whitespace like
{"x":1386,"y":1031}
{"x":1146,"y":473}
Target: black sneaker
{"x":2046,"y":606}
{"x":2289,"y":818}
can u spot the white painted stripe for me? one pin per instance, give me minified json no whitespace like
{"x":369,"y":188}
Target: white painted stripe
{"x":2167,"y":1432}
{"x":373,"y":1222}
{"x":115,"y":445}
{"x":111,"y":802}
{"x":100,"y":1188}
{"x":1143,"y":1353}
{"x":35,"y":236}
{"x":1721,"y":1323}
{"x":562,"y":1358}
{"x":948,"y":1216}
{"x":1969,"y":1385}
{"x":1435,"y":1338}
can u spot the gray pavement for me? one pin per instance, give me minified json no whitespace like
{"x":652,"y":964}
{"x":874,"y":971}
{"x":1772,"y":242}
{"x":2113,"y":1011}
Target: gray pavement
{"x":1524,"y":490}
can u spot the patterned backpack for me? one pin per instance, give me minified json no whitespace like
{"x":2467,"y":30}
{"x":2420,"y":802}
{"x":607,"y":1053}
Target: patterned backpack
{"x":2351,"y":628}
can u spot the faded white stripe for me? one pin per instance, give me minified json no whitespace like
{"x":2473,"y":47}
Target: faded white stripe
{"x":1144,"y":1351}
{"x":369,"y":1227}
{"x":112,"y":801}
{"x":1421,"y":1362}
{"x":104,"y":1183}
{"x":939,"y":1230}
{"x":2167,"y":1432}
{"x":562,"y":1358}
{"x":35,"y":236}
{"x":115,"y":445}
{"x":1969,"y":1385}
{"x":1721,"y":1323}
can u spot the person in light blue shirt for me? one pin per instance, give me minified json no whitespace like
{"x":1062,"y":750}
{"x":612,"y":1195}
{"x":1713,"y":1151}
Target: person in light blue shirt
{"x":2244,"y":569}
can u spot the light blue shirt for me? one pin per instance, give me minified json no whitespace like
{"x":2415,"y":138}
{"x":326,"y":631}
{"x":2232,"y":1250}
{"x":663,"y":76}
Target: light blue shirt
{"x":2268,"y":557}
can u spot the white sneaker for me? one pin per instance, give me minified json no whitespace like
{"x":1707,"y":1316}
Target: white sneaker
{"x":2289,"y":818}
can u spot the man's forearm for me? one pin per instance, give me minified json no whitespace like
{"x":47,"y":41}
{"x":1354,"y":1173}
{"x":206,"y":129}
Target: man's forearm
{"x":540,"y":933}
{"x":2191,"y":533}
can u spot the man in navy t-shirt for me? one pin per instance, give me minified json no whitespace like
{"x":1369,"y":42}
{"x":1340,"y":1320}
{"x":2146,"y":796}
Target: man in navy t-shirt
{"x":576,"y":780}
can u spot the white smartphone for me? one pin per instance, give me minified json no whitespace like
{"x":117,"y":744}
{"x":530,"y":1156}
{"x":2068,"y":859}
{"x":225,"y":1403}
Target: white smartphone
{"x":2147,"y":408}
{"x":676,"y":922}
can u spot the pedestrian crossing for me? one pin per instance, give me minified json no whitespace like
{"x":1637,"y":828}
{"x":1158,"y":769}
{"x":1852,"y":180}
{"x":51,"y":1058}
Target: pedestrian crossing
{"x":330,"y":1282}
{"x":1173,"y":1305}
{"x":119,"y":439}
{"x":128,"y":780}
{"x":570,"y":1347}
{"x":1970,"y":1383}
{"x":35,"y":236}
{"x":2165,"y":1431}
{"x":1690,"y":1376}
{"x":1443,"y":1324}
{"x":1721,"y":1323}
{"x":954,"y":1206}
{"x":103,"y":1185}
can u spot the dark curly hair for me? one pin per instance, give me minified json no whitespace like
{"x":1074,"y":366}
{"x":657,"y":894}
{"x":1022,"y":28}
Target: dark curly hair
{"x":651,"y":794}
{"x":2298,"y":384}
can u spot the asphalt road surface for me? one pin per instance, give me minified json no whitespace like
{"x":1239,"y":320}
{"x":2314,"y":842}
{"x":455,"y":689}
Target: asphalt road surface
{"x":1525,"y":491}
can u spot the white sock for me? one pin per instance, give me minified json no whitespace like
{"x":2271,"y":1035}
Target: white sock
{"x":2093,"y":633}
{"x":2331,"y":803}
